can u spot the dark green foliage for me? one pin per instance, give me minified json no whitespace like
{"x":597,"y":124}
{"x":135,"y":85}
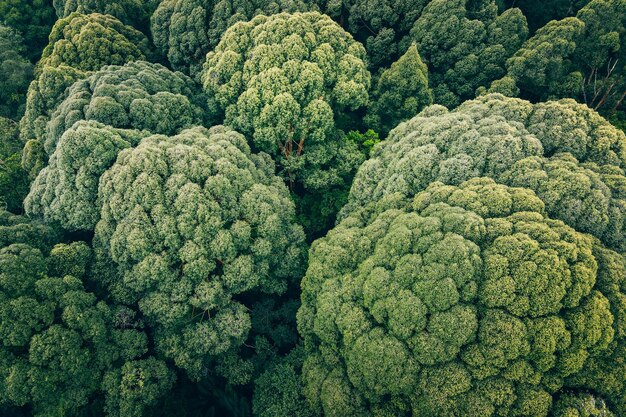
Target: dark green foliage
{"x":401,"y":92}
{"x":278,"y":391}
{"x":540,"y":12}
{"x":185,"y":30}
{"x":132,"y":12}
{"x":13,"y":183}
{"x":382,"y":26}
{"x":136,"y":385}
{"x":17,"y":72}
{"x":16,"y":229}
{"x":466,"y":45}
{"x":582,"y":57}
{"x":13,"y":179}
{"x":33,"y":19}
{"x":9,"y":137}
{"x":59,"y":341}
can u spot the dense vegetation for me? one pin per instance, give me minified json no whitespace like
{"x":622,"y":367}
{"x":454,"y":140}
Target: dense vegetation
{"x":311,"y":208}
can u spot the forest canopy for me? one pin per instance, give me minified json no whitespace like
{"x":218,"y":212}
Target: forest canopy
{"x":313,"y":208}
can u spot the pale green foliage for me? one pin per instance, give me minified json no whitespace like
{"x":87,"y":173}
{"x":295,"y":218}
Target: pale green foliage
{"x":438,"y":145}
{"x":66,"y":190}
{"x":466,"y":301}
{"x":45,"y":93}
{"x":192,"y":221}
{"x":570,"y":156}
{"x":581,"y":405}
{"x":401,"y":92}
{"x":185,"y":30}
{"x":138,"y":95}
{"x":590,"y":198}
{"x":466,"y":47}
{"x":282,"y":81}
{"x":78,"y":45}
{"x":143,"y":96}
{"x":90,"y":41}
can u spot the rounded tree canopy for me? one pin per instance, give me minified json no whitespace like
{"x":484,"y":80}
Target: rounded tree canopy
{"x":138,"y":95}
{"x":66,"y":190}
{"x":78,"y":45}
{"x":185,"y":30}
{"x":58,"y":341}
{"x":283,"y":81}
{"x":111,"y":110}
{"x":192,"y":221}
{"x":90,"y":41}
{"x":570,"y":156}
{"x":466,"y":300}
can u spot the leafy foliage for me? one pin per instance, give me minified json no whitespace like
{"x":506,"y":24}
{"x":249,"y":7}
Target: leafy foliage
{"x":466,"y":45}
{"x":401,"y":92}
{"x":17,"y":72}
{"x":185,"y":30}
{"x":580,"y":57}
{"x":193,"y":221}
{"x":67,"y":189}
{"x":283,"y":81}
{"x":13,"y":179}
{"x":540,"y":12}
{"x":131,"y":12}
{"x":582,"y":405}
{"x":570,"y":156}
{"x":462,"y":261}
{"x":33,"y":19}
{"x":78,"y":45}
{"x":382,"y":26}
{"x":439,"y":306}
{"x":145,"y":97}
{"x":58,"y":340}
